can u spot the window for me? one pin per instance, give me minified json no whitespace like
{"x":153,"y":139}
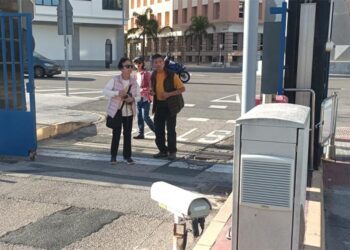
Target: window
{"x":112,"y":4}
{"x":216,"y":9}
{"x":138,"y":3}
{"x":159,"y":1}
{"x":194,"y":11}
{"x":184,"y":16}
{"x":260,"y":11}
{"x":167,"y":18}
{"x":210,"y":42}
{"x":241,"y":9}
{"x":176,"y":16}
{"x":205,"y":10}
{"x":235,"y":41}
{"x":47,"y":2}
{"x":132,"y":4}
{"x":260,"y":42}
{"x":159,"y":19}
{"x":152,"y":1}
{"x":144,"y":2}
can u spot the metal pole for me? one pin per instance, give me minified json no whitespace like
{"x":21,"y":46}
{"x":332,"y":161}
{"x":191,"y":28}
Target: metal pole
{"x":123,"y":23}
{"x":65,"y":45}
{"x":251,"y":10}
{"x":312,"y":125}
{"x":66,"y":63}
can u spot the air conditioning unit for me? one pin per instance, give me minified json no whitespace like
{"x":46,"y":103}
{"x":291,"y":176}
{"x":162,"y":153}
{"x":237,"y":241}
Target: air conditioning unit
{"x":269,"y":181}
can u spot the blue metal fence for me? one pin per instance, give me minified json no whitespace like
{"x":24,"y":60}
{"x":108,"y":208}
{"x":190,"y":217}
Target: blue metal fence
{"x":17,"y":97}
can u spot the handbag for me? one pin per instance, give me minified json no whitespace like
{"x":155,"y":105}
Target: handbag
{"x":116,"y":121}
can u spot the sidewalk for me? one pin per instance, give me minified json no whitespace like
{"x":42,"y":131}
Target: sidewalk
{"x":327,"y":207}
{"x":55,"y":116}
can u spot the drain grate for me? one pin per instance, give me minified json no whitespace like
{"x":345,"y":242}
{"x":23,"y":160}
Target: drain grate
{"x":61,"y":228}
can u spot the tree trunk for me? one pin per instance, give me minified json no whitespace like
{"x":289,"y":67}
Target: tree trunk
{"x":156,"y":45}
{"x":199,"y":50}
{"x":143,"y":45}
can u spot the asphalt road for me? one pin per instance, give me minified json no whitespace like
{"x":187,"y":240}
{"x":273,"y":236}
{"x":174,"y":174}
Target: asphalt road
{"x":71,"y":180}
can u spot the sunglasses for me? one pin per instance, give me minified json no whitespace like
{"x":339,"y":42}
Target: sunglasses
{"x":128,"y":66}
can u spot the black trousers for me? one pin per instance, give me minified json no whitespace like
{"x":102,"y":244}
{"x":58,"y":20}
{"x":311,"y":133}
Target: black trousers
{"x":127,"y":128}
{"x":163,"y":117}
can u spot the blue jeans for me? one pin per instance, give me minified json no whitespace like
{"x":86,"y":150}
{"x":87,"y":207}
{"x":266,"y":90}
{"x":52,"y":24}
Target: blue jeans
{"x":143,"y":116}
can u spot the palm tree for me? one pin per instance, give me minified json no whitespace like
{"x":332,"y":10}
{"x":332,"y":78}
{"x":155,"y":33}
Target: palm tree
{"x":198,"y":30}
{"x":143,"y":28}
{"x":156,"y":31}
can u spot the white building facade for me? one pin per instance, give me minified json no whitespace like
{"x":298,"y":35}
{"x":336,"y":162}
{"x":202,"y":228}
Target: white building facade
{"x":95,"y":23}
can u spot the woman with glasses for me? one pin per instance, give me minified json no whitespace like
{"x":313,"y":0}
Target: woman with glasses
{"x":123,"y":92}
{"x":144,"y":81}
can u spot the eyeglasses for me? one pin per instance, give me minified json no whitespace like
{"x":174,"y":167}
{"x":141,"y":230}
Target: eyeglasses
{"x":128,"y":66}
{"x":138,"y":62}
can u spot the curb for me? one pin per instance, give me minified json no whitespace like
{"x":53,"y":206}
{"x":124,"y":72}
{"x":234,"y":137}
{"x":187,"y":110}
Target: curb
{"x":315,"y":216}
{"x":215,"y":227}
{"x":49,"y":131}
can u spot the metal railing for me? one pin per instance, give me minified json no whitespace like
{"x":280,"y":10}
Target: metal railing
{"x":329,"y":139}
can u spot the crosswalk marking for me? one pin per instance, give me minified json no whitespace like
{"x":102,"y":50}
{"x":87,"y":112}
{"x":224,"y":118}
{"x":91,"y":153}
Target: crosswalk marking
{"x":217,"y":168}
{"x":221,"y":168}
{"x":217,"y":107}
{"x":189,"y":105}
{"x":182,"y":137}
{"x":224,"y":99}
{"x":197,"y":119}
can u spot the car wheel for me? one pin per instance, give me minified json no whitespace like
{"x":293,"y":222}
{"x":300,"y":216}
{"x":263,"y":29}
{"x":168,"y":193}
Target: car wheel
{"x":39,"y":72}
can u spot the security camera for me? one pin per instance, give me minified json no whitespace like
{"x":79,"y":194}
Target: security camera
{"x":180,"y":202}
{"x":185,"y":205}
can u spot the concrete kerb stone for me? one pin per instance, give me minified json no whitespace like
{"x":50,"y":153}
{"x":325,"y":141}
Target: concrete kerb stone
{"x":47,"y":131}
{"x":211,"y":234}
{"x":315,"y":217}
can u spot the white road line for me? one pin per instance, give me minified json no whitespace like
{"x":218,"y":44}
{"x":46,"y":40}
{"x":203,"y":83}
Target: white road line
{"x":237,"y":99}
{"x":99,"y":97}
{"x":150,"y":135}
{"x":182,"y":137}
{"x":221,"y":168}
{"x":49,"y":90}
{"x":215,"y":136}
{"x":218,"y":107}
{"x":189,"y":105}
{"x":85,"y":92}
{"x":98,"y":157}
{"x":231,"y":121}
{"x":196,"y":119}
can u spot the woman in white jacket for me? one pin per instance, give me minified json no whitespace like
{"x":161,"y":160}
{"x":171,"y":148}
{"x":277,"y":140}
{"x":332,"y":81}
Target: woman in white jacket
{"x":123,"y":92}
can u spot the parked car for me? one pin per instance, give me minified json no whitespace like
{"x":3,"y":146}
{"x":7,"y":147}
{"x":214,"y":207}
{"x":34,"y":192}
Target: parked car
{"x":44,"y":66}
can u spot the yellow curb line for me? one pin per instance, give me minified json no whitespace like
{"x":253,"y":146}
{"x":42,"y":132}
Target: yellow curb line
{"x":211,"y":234}
{"x":59,"y":129}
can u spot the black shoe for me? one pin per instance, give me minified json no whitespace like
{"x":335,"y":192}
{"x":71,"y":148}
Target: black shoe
{"x":129,"y":161}
{"x":172,"y":157}
{"x":139,"y":137}
{"x":160,"y":155}
{"x":113,"y":160}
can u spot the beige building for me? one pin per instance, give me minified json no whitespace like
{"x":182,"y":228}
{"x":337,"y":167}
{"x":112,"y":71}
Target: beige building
{"x":224,"y":44}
